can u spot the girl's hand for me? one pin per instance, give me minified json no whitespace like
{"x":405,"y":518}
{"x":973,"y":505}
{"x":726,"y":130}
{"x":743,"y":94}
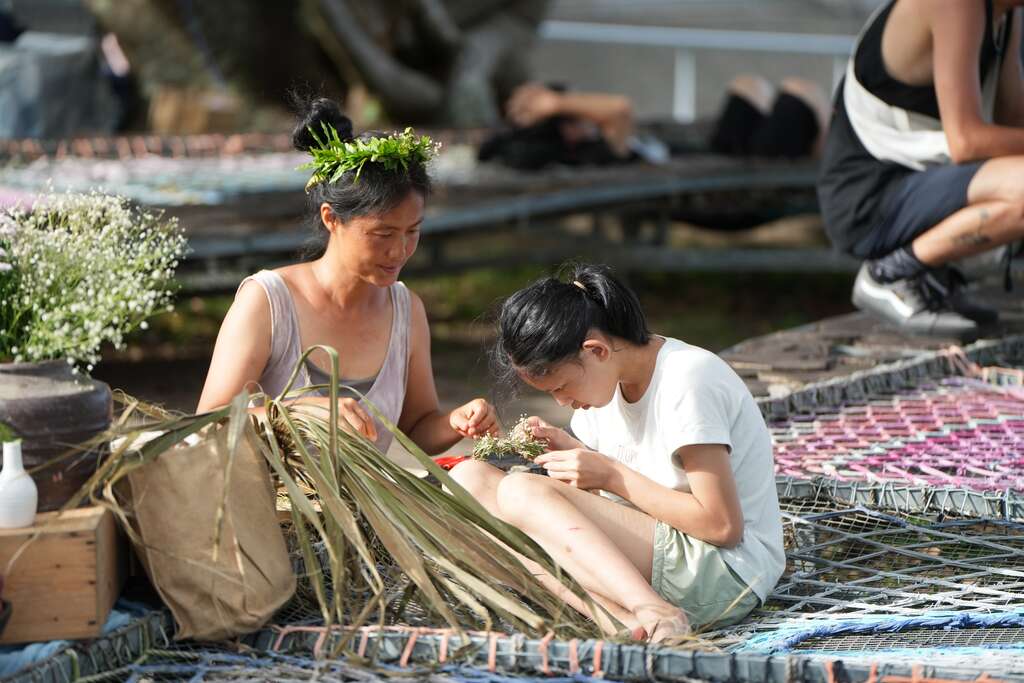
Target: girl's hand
{"x":474,"y":419}
{"x":557,"y":439}
{"x":579,"y":467}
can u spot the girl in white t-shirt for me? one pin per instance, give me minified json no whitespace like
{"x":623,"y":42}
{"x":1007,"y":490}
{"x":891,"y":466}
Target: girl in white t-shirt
{"x":688,"y":531}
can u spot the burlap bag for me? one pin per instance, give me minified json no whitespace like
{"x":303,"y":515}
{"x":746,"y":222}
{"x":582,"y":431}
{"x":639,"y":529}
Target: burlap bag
{"x":174,"y":500}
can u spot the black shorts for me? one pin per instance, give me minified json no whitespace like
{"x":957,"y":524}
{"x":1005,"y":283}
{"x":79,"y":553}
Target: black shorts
{"x":914,"y":203}
{"x":788,"y":131}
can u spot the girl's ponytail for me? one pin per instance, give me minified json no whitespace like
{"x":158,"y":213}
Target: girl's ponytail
{"x":623,"y":316}
{"x":547,"y":322}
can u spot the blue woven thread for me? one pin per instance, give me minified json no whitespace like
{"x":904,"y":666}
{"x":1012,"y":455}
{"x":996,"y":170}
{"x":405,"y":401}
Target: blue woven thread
{"x":786,"y":637}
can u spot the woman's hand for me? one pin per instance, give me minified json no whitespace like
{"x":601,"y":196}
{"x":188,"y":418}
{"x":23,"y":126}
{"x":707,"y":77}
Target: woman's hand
{"x":556,"y":438}
{"x":474,"y":419}
{"x":580,"y":467}
{"x":352,"y":417}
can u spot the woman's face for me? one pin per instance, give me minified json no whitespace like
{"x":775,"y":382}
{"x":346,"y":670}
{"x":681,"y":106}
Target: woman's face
{"x":587,"y":381}
{"x":375,"y":248}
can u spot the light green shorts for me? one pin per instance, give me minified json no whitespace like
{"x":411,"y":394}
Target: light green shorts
{"x":692,"y":575}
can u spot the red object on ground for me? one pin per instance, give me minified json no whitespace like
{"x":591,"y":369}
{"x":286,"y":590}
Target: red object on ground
{"x":450,"y":461}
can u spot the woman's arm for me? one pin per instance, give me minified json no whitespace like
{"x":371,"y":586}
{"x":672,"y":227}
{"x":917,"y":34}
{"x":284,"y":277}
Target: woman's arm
{"x":957,"y":31}
{"x":710,"y":512}
{"x":242,"y":348}
{"x":422,"y":419}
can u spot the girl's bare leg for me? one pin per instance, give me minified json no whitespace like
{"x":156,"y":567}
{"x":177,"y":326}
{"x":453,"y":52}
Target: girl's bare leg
{"x":606,"y":546}
{"x":482,"y":480}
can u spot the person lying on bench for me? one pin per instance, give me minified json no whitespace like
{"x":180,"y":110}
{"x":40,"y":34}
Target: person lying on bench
{"x":549,"y":124}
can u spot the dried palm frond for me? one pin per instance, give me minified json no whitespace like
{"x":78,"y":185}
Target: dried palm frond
{"x":376,"y":542}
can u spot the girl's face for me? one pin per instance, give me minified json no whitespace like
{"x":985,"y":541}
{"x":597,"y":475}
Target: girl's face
{"x":588,"y":381}
{"x":375,"y":248}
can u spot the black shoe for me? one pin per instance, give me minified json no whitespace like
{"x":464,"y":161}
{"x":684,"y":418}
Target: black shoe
{"x":951,"y":286}
{"x":909,"y":304}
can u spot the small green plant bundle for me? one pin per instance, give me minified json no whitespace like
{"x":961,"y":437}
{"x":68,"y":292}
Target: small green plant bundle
{"x":518,"y":443}
{"x":78,"y":270}
{"x":334,"y":157}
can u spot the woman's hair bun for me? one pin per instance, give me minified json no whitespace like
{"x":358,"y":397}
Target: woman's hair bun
{"x":312,"y":115}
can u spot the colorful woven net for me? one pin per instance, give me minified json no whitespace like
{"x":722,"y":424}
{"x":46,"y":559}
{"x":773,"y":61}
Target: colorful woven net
{"x":859,"y":583}
{"x":957,"y":432}
{"x":856,"y":580}
{"x":857,"y":562}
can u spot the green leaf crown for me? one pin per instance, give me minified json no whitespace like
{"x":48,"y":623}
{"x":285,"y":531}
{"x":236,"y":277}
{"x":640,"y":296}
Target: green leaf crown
{"x":333,"y":157}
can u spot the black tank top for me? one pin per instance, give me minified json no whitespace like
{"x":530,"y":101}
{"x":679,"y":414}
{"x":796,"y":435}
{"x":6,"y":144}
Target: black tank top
{"x":853,"y":184}
{"x":870,"y":69}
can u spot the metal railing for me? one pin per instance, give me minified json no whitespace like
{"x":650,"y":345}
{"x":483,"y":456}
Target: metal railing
{"x":687,"y":41}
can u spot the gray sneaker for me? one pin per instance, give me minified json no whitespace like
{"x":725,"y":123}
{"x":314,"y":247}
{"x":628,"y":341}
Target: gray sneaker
{"x":909,"y":304}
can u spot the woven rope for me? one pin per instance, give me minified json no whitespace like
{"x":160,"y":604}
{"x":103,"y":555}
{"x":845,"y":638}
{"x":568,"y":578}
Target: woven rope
{"x":958,"y":432}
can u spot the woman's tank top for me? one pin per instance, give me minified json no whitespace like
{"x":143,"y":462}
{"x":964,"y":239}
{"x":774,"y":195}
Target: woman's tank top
{"x":386,"y":390}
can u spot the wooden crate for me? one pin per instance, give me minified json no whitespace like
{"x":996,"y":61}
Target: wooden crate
{"x":65,"y":582}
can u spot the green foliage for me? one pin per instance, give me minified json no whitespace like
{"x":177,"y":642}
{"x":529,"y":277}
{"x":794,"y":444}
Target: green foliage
{"x":334,"y":157}
{"x":7,"y":433}
{"x":519,"y":443}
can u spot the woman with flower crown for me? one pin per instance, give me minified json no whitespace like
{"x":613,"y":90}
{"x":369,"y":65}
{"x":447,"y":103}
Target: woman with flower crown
{"x":367,"y":194}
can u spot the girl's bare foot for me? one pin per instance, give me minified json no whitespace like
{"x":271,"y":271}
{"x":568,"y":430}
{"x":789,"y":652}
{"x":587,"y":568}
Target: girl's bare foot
{"x":670,"y":630}
{"x":661,"y":625}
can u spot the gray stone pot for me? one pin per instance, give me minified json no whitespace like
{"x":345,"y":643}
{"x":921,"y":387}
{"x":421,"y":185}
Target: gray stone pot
{"x":53,"y":410}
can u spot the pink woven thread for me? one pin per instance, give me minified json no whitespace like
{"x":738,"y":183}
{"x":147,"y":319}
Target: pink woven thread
{"x":960,"y":433}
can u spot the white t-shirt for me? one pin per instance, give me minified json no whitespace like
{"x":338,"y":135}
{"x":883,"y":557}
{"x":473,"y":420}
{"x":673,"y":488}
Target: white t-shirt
{"x":696,"y":398}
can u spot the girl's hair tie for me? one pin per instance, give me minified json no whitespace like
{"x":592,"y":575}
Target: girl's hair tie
{"x":579,"y":284}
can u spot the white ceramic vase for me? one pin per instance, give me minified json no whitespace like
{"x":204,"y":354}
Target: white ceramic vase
{"x":18,"y":495}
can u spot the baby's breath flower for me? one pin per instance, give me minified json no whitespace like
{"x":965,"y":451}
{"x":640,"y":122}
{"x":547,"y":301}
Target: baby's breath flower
{"x":8,"y":226}
{"x":77,"y":264}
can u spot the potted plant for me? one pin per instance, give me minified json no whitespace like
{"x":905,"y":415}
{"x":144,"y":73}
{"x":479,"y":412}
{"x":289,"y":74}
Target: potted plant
{"x":76,"y":271}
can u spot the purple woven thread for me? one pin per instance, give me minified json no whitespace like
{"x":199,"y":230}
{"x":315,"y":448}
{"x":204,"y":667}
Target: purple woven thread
{"x":958,"y":432}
